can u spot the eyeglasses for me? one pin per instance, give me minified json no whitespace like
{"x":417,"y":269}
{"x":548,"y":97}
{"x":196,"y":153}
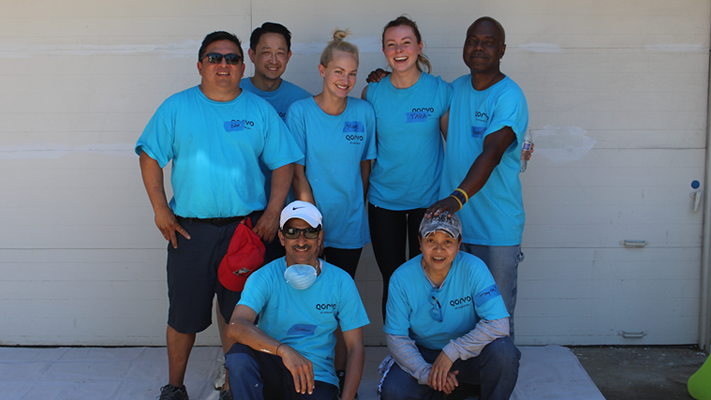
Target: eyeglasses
{"x":293,"y":233}
{"x":216,"y":58}
{"x":436,"y":310}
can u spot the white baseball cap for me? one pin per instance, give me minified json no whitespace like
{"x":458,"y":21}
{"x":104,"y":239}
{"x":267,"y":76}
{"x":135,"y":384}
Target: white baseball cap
{"x":301,"y":210}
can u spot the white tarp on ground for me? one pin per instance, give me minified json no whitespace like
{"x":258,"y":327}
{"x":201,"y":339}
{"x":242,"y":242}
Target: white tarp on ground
{"x":550,"y":373}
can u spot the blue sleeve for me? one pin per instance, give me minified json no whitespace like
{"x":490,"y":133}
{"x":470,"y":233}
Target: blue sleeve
{"x":398,"y":310}
{"x":351,"y":314}
{"x":157,"y":138}
{"x":279,"y":148}
{"x":370,"y":93}
{"x":297,"y":128}
{"x":510,"y":109}
{"x":256,"y":291}
{"x":447,"y":91}
{"x":370,"y":152}
{"x":488,"y":303}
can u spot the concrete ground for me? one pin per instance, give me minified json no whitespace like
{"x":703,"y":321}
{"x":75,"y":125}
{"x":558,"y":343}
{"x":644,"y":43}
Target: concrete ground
{"x":649,"y":373}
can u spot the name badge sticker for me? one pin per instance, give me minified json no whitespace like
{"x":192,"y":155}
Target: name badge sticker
{"x":485,"y":295}
{"x":302,"y":330}
{"x":353,"y":126}
{"x":420,"y":116}
{"x":478,"y":132}
{"x":234,"y":126}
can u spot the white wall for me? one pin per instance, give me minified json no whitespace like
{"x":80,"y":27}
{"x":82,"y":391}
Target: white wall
{"x":620,"y":86}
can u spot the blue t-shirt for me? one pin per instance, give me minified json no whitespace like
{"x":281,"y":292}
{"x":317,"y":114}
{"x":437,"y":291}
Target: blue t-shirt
{"x":467,"y":295}
{"x":334,"y":146}
{"x":406,"y":174}
{"x":281,"y":99}
{"x":215,"y":148}
{"x":494,"y":216}
{"x":306,"y":319}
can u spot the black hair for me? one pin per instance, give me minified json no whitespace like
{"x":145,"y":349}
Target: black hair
{"x":216,"y":37}
{"x":496,"y":23}
{"x":269,"y":27}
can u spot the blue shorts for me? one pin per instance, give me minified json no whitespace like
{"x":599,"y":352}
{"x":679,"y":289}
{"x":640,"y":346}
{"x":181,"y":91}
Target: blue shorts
{"x":192,"y":274}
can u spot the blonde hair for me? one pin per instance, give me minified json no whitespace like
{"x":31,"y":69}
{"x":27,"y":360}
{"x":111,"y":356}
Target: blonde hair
{"x":338,"y":44}
{"x":422,"y":60}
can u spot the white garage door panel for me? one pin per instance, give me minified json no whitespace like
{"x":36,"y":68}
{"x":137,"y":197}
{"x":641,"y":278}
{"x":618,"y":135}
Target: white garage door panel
{"x":591,"y":331}
{"x":87,"y":297}
{"x":83,"y":265}
{"x":589,"y":296}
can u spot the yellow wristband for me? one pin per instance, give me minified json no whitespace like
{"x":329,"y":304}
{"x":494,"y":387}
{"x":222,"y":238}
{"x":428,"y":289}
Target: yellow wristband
{"x":458,"y":201}
{"x":466,"y":196}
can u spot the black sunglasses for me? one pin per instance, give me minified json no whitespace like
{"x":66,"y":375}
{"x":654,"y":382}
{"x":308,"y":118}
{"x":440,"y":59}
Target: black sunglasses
{"x":293,"y":233}
{"x":216,"y":58}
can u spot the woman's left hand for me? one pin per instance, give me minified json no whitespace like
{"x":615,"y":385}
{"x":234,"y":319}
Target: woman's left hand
{"x":440,"y":373}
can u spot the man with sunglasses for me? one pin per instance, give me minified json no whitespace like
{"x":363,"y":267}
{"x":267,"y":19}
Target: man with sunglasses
{"x":446,"y":324}
{"x":300,"y":301}
{"x":215,"y":134}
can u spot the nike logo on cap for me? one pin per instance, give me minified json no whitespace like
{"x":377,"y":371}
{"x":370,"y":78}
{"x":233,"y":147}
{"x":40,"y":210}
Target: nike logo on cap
{"x":296,"y":208}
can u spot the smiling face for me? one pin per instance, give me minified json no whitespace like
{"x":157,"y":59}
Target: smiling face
{"x":270,"y":57}
{"x":339,"y":77}
{"x":401,"y":48}
{"x":300,"y":250}
{"x":220,"y":77}
{"x":438,"y":252}
{"x":484,"y":47}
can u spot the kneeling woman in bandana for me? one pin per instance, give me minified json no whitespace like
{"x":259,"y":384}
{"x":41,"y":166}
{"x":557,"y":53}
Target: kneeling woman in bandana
{"x":446,"y":325}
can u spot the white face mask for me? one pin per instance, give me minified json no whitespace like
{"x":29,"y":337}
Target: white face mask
{"x":300,"y":276}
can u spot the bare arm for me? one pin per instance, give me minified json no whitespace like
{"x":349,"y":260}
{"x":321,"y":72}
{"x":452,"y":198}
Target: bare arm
{"x":365,"y":168}
{"x":241,"y":329}
{"x":365,"y":90}
{"x":165,"y":220}
{"x":301,"y":185}
{"x":355,"y":361}
{"x":268,"y":224}
{"x":495,"y":146}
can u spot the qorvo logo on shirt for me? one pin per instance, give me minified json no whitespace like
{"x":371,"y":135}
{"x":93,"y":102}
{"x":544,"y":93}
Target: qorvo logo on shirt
{"x":354,"y":131}
{"x":236,"y":126}
{"x":418,"y":114}
{"x":461,"y":302}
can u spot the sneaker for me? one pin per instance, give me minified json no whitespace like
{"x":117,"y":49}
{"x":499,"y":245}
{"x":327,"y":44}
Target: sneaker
{"x":170,"y":392}
{"x":219,"y":381}
{"x":225,"y":395}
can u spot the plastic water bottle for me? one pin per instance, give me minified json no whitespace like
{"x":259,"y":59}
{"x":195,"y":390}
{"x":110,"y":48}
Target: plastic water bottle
{"x":526,"y":149}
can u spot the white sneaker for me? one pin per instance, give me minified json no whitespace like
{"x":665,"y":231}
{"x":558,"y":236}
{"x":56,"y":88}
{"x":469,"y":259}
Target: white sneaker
{"x":219,"y":381}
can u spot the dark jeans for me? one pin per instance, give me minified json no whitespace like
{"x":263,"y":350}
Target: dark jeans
{"x":255,"y":375}
{"x":390,"y":232}
{"x":495,"y":369}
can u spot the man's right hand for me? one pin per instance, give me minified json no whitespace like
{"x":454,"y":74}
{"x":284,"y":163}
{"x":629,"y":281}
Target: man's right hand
{"x":377,"y":75}
{"x":301,"y":369}
{"x":168,"y":225}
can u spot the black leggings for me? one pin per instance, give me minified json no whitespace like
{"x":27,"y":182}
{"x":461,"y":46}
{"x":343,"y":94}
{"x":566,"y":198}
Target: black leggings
{"x":345,"y":259}
{"x":389,"y":232}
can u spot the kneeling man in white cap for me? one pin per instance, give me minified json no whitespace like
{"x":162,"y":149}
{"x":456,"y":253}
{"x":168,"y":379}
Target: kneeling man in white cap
{"x":300,"y":301}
